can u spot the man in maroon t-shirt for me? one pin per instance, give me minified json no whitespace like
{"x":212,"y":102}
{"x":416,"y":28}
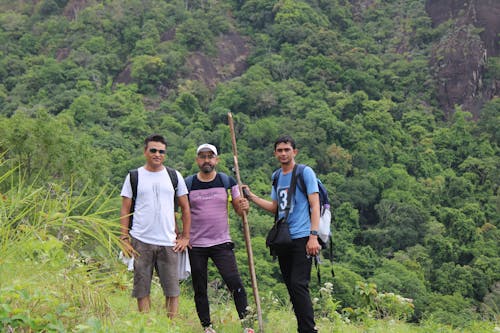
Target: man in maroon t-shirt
{"x":209,"y":237}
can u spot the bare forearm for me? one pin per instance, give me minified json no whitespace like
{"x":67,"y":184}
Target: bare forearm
{"x":124,"y":222}
{"x":315,"y":211}
{"x":186,"y":224}
{"x":186,"y":216}
{"x":315,"y":219}
{"x":125,"y":216}
{"x":270,"y":206}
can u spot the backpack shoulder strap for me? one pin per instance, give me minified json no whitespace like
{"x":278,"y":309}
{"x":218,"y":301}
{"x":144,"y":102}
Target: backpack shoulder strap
{"x":227,"y":185}
{"x":173,"y":178}
{"x":134,"y":179}
{"x":225,"y":180}
{"x":300,"y":177}
{"x":189,"y":182}
{"x":172,"y":173}
{"x":276,"y":174}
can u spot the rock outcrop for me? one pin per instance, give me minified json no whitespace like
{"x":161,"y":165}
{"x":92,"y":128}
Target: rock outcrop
{"x":459,"y":59}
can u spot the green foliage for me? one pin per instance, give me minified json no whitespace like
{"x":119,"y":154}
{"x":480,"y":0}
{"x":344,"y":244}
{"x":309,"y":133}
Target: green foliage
{"x":379,"y":305}
{"x":60,"y":155}
{"x":195,"y":35}
{"x":451,"y":310}
{"x":18,"y":311}
{"x":409,"y":282}
{"x":258,"y":13}
{"x":490,"y":119}
{"x":325,"y":306}
{"x":67,"y":234}
{"x":294,"y":20}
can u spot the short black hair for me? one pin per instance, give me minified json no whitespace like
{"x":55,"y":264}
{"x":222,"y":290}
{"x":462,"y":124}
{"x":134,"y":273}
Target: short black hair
{"x":284,"y":139}
{"x":155,"y":138}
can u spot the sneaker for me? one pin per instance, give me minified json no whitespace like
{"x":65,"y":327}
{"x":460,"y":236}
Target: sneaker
{"x":209,"y":329}
{"x":248,"y":330}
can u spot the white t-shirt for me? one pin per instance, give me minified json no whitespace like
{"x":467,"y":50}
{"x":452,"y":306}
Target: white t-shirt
{"x":154,"y":220}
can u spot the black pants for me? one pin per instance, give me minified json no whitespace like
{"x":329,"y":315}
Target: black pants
{"x":296,"y":271}
{"x":223,"y":257}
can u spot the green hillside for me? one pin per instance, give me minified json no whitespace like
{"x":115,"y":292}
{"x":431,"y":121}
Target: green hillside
{"x":415,"y":188}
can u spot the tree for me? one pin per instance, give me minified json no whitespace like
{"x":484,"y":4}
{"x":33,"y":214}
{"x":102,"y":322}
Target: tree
{"x":489,"y":121}
{"x":394,"y":277}
{"x":455,"y":143}
{"x":48,"y":150}
{"x":295,"y":20}
{"x":257,"y":13}
{"x":443,"y":249}
{"x":363,"y":260}
{"x":453,"y":279}
{"x":195,"y":35}
{"x":148,"y":71}
{"x":362,"y":194}
{"x":401,"y":225}
{"x":346,"y":224}
{"x":344,"y":285}
{"x":460,"y":227}
{"x":452,"y":310}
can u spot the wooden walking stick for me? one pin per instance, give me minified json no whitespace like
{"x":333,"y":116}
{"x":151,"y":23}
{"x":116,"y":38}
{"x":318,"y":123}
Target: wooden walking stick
{"x":246,"y":229}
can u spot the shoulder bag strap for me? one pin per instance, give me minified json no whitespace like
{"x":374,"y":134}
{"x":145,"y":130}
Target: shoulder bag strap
{"x":291,"y":193}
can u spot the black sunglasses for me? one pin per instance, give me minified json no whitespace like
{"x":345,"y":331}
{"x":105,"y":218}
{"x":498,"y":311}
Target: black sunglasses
{"x":154,"y":151}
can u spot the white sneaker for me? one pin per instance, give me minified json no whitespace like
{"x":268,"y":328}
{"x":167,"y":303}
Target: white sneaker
{"x":209,"y":329}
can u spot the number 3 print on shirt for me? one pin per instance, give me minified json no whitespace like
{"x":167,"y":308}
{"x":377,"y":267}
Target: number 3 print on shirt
{"x":283,"y":198}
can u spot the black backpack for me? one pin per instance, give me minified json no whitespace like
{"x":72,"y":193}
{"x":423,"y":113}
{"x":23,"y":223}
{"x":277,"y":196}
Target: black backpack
{"x":134,"y":178}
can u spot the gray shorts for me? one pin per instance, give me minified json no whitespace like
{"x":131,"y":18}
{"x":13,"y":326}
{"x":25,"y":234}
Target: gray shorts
{"x":164,"y":260}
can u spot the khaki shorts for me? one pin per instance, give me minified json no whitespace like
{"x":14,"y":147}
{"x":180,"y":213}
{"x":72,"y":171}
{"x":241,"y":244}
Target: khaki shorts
{"x":164,"y":260}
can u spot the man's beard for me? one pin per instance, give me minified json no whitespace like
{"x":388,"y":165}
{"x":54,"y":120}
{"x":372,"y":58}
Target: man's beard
{"x":207,"y":168}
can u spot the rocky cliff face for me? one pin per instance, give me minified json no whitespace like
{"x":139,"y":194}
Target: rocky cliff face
{"x":459,"y":59}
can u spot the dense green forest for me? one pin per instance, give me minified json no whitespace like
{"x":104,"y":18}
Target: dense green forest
{"x":415,"y":193}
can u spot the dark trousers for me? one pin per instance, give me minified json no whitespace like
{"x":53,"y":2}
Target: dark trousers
{"x":296,"y":271}
{"x":223,"y":257}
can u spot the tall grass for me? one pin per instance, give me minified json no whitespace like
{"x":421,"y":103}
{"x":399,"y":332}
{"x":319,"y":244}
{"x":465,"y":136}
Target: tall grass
{"x":55,"y":246}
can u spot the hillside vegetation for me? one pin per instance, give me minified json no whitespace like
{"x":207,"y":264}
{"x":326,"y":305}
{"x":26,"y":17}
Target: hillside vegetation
{"x":415,"y":187}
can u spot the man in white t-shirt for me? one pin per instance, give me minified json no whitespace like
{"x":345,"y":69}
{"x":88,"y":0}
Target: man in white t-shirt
{"x":153,"y":240}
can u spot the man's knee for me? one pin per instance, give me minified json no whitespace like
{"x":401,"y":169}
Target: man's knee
{"x":235,"y":284}
{"x":299,"y":286}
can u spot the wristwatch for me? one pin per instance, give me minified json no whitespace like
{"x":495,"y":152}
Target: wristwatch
{"x":314,"y":232}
